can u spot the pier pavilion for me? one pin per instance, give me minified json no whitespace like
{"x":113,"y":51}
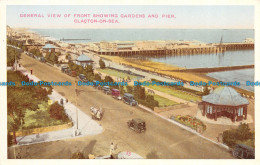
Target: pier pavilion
{"x":224,"y":102}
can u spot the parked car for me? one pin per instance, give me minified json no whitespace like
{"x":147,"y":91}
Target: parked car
{"x":83,"y":78}
{"x":243,"y":151}
{"x":138,"y":125}
{"x":129,"y":99}
{"x":67,"y":71}
{"x":64,"y":69}
{"x":42,"y":59}
{"x":106,"y":90}
{"x":73,"y":73}
{"x":116,"y":94}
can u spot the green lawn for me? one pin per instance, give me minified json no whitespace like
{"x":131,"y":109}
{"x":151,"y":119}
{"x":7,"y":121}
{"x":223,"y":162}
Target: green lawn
{"x":40,"y":118}
{"x":117,"y":73}
{"x":164,"y":101}
{"x":176,"y":93}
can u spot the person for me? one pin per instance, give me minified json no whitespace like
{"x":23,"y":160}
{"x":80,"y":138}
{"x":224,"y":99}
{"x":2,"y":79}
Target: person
{"x":31,"y":71}
{"x":112,"y":149}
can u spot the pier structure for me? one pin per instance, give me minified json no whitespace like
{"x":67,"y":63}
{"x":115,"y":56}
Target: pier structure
{"x":178,"y":50}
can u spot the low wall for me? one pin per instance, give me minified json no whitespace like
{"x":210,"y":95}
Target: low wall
{"x":43,"y":129}
{"x":162,"y":109}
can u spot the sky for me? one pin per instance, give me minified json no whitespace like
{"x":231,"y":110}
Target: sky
{"x":184,"y":17}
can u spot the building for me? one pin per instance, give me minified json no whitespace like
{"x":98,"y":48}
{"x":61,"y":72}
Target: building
{"x":224,"y":102}
{"x":49,"y":48}
{"x":83,"y":60}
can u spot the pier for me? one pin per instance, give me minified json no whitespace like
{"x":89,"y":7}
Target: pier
{"x":180,"y":50}
{"x":71,"y":39}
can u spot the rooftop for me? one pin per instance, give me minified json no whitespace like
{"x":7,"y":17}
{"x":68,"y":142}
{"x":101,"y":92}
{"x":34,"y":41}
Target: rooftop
{"x":83,"y":57}
{"x":49,"y":46}
{"x":225,"y":96}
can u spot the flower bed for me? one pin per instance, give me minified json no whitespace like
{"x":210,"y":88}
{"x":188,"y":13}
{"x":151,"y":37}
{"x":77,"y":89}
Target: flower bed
{"x":189,"y":121}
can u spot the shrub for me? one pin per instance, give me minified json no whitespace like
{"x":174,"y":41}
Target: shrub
{"x":102,"y":64}
{"x":240,"y":135}
{"x":57,"y":112}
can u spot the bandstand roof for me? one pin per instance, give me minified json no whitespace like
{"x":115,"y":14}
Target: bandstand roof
{"x":225,"y":96}
{"x":83,"y":57}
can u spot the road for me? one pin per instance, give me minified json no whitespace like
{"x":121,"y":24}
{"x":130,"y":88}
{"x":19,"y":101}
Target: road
{"x":161,"y":140}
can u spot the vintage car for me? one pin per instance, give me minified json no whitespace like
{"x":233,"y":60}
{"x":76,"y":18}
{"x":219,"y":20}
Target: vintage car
{"x":243,"y":151}
{"x":106,"y":90}
{"x":64,"y":68}
{"x":116,"y":94}
{"x":96,"y":113}
{"x":129,"y":99}
{"x":138,"y":125}
{"x":83,"y":78}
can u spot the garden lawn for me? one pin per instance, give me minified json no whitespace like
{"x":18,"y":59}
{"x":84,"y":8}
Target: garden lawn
{"x":40,"y":118}
{"x":164,"y":101}
{"x":176,"y":93}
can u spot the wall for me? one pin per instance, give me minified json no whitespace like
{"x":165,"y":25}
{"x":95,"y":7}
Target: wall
{"x":43,"y":129}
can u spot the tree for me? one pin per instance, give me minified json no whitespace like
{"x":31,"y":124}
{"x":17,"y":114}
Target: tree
{"x":89,"y":69}
{"x":129,"y":89}
{"x":57,"y":112}
{"x":121,"y":88}
{"x":13,"y":124}
{"x":206,"y":90}
{"x":139,"y":92}
{"x":12,"y":54}
{"x":151,"y":101}
{"x":240,"y":135}
{"x":97,"y":77}
{"x":102,"y":64}
{"x":108,"y":79}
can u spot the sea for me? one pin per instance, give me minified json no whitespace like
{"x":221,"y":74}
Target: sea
{"x":229,"y":58}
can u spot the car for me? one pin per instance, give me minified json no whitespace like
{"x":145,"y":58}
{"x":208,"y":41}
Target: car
{"x":116,"y":94}
{"x":138,"y":125}
{"x":73,"y":73}
{"x":243,"y":151}
{"x":129,"y":99}
{"x":64,"y":68}
{"x":106,"y":90}
{"x":83,"y":78}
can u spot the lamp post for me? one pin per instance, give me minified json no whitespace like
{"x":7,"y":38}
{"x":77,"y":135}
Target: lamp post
{"x":76,"y":97}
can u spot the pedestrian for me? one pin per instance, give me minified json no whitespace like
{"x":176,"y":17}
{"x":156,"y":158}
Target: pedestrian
{"x":31,"y":71}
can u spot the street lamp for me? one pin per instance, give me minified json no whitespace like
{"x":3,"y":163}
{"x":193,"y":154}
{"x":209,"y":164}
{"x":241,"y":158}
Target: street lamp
{"x":76,"y":94}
